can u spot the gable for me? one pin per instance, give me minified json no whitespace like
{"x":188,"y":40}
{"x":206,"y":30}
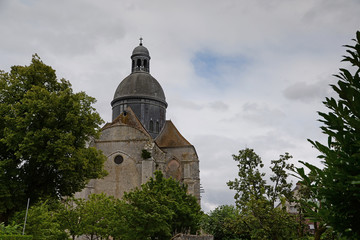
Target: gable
{"x":127,"y":118}
{"x":171,"y":137}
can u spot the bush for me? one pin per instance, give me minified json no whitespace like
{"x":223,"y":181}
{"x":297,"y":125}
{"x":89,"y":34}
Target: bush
{"x":16,"y":237}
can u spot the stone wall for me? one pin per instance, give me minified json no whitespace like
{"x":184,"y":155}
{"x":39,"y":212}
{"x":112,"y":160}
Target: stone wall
{"x":192,"y":237}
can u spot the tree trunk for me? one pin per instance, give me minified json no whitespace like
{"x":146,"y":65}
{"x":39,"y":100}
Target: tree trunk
{"x":319,"y":232}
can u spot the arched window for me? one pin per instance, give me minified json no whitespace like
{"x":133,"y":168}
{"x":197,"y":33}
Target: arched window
{"x":133,"y":64}
{"x":151,"y":126}
{"x":145,"y":64}
{"x":138,"y":63}
{"x":173,"y":169}
{"x":157,"y":126}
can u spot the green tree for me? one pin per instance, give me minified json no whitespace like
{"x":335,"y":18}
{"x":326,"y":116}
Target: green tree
{"x":44,"y":130}
{"x":251,"y":183}
{"x":95,"y":217}
{"x":98,"y":213}
{"x":222,"y":223}
{"x":338,"y":190}
{"x":311,"y":207}
{"x":42,"y":222}
{"x":70,"y":216}
{"x":255,"y":198}
{"x":161,"y":208}
{"x":10,"y":229}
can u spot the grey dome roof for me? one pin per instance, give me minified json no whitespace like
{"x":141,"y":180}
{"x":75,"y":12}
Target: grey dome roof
{"x":140,"y":85}
{"x":140,"y":50}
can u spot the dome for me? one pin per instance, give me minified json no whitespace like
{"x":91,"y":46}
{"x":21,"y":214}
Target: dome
{"x":140,"y":50}
{"x":140,"y":85}
{"x":142,"y":93}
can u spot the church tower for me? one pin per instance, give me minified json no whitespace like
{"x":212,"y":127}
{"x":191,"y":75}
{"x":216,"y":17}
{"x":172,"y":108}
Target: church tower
{"x":139,"y":126}
{"x":142,"y":92}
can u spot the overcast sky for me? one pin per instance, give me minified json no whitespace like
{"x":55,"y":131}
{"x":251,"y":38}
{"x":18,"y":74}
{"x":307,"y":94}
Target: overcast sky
{"x":235,"y":73}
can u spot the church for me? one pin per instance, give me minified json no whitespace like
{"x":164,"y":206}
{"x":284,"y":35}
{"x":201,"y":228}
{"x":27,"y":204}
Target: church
{"x":140,"y":140}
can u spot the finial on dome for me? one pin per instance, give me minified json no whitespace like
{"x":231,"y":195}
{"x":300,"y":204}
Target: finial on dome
{"x":140,"y":41}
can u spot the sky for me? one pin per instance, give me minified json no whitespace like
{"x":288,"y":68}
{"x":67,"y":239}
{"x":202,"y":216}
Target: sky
{"x":236,"y":74}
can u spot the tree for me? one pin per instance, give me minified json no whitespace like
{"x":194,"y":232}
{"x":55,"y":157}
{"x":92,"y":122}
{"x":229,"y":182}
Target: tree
{"x":339,"y":181}
{"x":251,"y":183}
{"x":309,"y":204}
{"x":96,"y":217}
{"x":10,"y":229}
{"x":255,"y":198}
{"x":71,"y":216}
{"x":161,"y":208}
{"x":221,"y":221}
{"x":44,"y":130}
{"x":98,"y":214}
{"x":42,"y":222}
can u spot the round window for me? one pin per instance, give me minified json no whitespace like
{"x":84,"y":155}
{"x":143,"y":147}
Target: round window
{"x":118,"y":159}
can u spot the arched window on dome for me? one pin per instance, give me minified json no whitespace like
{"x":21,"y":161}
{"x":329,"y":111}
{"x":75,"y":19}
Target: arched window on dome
{"x":145,"y":64}
{"x":157,"y":126}
{"x":138,"y":63}
{"x":151,"y":126}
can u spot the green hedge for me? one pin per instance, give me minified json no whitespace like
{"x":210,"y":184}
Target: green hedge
{"x":16,"y":237}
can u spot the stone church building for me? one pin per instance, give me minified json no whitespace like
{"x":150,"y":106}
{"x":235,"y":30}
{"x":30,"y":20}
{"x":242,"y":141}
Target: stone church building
{"x":140,"y":140}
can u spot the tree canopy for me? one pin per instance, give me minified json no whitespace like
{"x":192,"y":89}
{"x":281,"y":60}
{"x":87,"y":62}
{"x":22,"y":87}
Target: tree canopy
{"x":161,"y":208}
{"x":258,"y":218}
{"x":44,"y":131}
{"x":337,"y":185}
{"x":251,"y":183}
{"x":222,"y":223}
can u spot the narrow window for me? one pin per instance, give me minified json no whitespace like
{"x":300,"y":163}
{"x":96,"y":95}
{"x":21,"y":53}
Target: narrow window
{"x":157,"y":126}
{"x":151,"y":127}
{"x":145,"y":63}
{"x":138,"y":63}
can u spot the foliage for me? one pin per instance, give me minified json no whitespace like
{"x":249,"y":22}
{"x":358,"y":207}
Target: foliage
{"x":42,"y":222}
{"x":280,"y":187}
{"x":338,"y":184}
{"x":94,"y":217}
{"x":98,"y":216}
{"x":330,"y":234}
{"x":258,"y":221}
{"x":263,"y":221}
{"x":312,"y":207}
{"x":251,"y":183}
{"x":15,"y":237}
{"x":158,"y":210}
{"x":44,"y":129}
{"x":70,"y":216}
{"x":145,"y":154}
{"x":10,"y":229}
{"x":220,"y":222}
{"x":258,"y":218}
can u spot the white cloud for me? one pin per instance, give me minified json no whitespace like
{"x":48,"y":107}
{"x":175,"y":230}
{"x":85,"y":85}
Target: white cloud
{"x":307,"y":92}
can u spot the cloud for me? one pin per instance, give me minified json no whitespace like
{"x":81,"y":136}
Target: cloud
{"x":262,"y":113}
{"x":213,"y":66}
{"x":210,"y":199}
{"x":307,"y":92}
{"x":218,"y":106}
